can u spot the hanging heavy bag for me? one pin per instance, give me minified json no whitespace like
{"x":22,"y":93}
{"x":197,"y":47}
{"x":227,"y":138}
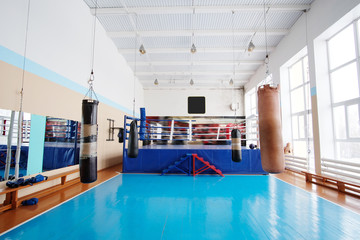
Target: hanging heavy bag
{"x":271,"y":144}
{"x":133,"y":144}
{"x":88,"y":143}
{"x":236,"y":145}
{"x":146,"y":141}
{"x":121,"y":135}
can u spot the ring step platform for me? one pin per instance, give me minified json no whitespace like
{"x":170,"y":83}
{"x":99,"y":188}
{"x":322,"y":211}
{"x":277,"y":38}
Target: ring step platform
{"x":157,"y":158}
{"x":175,"y":166}
{"x":206,"y":166}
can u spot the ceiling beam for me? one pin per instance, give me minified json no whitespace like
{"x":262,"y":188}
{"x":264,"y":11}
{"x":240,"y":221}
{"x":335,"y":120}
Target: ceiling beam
{"x":199,"y":50}
{"x":188,"y":73}
{"x":197,"y":33}
{"x":198,"y":9}
{"x":171,"y":81}
{"x":186,"y":87}
{"x":207,"y":78}
{"x":195,"y":63}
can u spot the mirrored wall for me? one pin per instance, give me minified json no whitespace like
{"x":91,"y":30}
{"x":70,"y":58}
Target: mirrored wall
{"x":47,"y":143}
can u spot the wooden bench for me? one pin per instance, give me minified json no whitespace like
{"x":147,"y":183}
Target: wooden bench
{"x":12,"y":200}
{"x":336,"y":184}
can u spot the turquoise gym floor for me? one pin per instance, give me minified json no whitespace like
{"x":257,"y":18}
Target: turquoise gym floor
{"x":139,"y":206}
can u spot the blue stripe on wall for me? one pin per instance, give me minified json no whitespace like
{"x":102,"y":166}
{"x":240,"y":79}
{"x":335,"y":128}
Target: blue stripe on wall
{"x":313,"y":91}
{"x":17,"y":60}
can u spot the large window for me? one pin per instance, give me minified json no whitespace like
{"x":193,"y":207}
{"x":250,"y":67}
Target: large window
{"x":300,"y":110}
{"x":344,"y":65}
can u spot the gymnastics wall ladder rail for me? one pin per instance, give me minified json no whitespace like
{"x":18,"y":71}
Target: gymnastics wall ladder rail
{"x":206,"y":166}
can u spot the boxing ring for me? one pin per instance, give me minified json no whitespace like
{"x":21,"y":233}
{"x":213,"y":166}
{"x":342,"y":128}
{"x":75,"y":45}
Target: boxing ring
{"x":172,"y":139}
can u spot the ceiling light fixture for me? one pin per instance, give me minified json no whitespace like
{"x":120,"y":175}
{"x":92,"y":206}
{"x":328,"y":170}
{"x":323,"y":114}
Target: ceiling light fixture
{"x":142,"y":49}
{"x":193,"y":49}
{"x":156,"y":82}
{"x":191,"y":82}
{"x":251,"y":46}
{"x":231,"y":82}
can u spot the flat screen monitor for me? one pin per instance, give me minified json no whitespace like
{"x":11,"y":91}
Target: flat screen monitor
{"x":196,"y":105}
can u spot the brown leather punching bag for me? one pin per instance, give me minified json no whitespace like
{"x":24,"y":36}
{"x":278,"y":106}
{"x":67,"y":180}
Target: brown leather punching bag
{"x":271,"y":144}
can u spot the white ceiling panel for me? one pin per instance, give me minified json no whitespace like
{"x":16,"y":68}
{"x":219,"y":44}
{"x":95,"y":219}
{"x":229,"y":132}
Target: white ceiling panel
{"x":220,"y":29}
{"x":202,"y":21}
{"x":113,"y":23}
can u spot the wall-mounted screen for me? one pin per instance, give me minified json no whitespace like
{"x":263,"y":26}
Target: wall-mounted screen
{"x":196,"y":105}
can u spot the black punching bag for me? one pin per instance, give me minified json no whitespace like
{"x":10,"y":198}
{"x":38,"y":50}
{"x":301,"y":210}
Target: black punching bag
{"x":121,"y":135}
{"x":133,"y":144}
{"x":88,"y":141}
{"x":236,"y":145}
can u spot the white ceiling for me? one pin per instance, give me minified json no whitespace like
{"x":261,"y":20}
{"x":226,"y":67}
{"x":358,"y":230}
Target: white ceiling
{"x":220,"y":29}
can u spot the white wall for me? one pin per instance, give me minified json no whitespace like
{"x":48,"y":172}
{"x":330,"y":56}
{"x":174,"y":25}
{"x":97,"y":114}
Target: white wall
{"x":60,"y":39}
{"x":174,"y":102}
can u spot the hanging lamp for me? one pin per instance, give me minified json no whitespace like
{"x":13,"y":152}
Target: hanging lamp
{"x":231,"y":82}
{"x":191,"y":82}
{"x":193,"y":49}
{"x":251,"y":46}
{"x":142,"y":49}
{"x":156,"y":82}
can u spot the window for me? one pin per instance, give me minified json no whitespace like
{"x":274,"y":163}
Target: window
{"x":251,"y":103}
{"x":251,"y":117}
{"x":300,"y":110}
{"x":343,"y":62}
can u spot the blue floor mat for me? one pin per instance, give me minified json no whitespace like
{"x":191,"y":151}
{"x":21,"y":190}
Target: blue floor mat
{"x":181,"y":207}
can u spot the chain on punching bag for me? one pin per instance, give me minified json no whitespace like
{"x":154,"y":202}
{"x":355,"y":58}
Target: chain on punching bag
{"x":133,"y":144}
{"x":271,"y":144}
{"x":88,"y":141}
{"x":236,"y":145}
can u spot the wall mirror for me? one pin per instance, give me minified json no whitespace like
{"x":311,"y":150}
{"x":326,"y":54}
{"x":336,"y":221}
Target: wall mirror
{"x":47,"y":143}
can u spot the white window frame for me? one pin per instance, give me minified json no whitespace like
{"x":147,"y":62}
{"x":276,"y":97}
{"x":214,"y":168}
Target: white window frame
{"x":307,"y":113}
{"x":248,"y":101}
{"x":350,"y":102}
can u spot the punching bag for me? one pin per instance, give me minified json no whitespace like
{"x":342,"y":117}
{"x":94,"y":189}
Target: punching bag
{"x":133,"y":144}
{"x":236,"y":145}
{"x":142,"y":132}
{"x":88,"y":141}
{"x":271,"y":145}
{"x":146,"y":142}
{"x":121,"y":135}
{"x":142,"y":129}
